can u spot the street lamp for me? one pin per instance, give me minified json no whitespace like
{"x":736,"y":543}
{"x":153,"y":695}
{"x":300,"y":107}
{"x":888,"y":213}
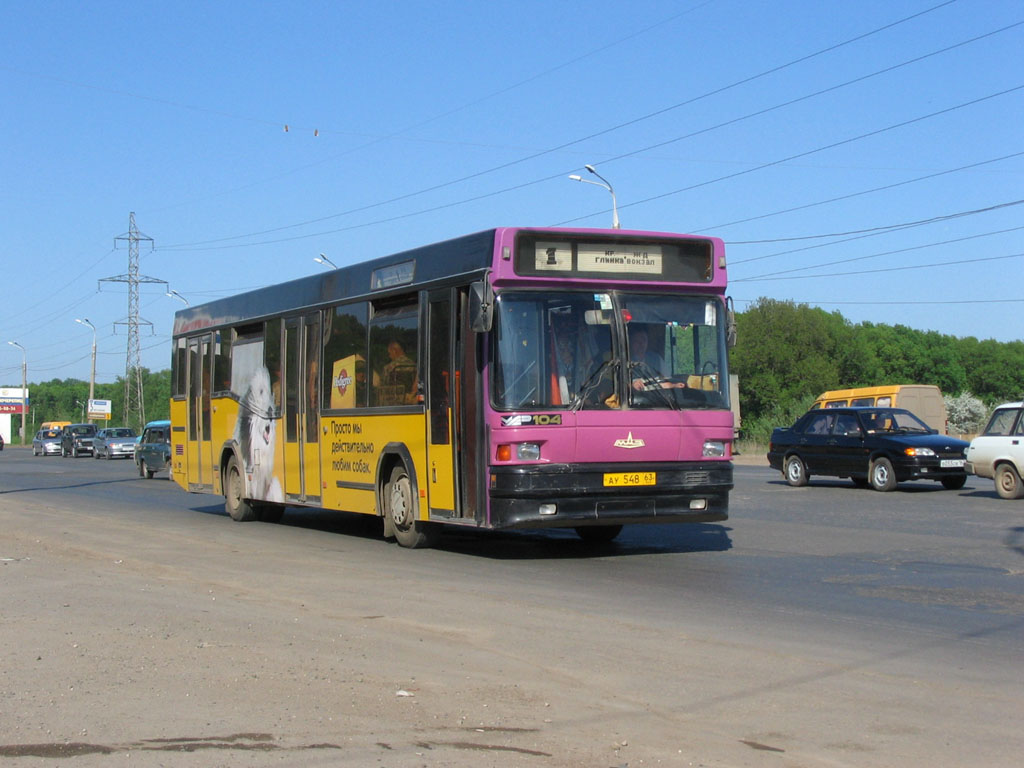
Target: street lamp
{"x":175,"y":295}
{"x":603,"y":183}
{"x":24,"y":386}
{"x":321,"y":259}
{"x":92,"y":375}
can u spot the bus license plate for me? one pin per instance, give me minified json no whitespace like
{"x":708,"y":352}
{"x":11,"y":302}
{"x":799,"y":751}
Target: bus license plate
{"x":952,"y":463}
{"x":622,"y":479}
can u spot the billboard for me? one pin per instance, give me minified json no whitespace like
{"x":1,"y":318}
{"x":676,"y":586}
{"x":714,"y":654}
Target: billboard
{"x":14,"y":400}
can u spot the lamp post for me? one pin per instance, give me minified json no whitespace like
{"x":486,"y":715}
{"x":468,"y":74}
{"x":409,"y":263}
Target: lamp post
{"x":175,"y":295}
{"x":24,"y":386}
{"x":92,"y":375}
{"x":603,"y":183}
{"x":321,"y":259}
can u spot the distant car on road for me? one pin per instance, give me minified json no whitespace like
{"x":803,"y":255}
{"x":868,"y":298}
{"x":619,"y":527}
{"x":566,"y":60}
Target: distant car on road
{"x":153,"y":450}
{"x":46,"y":443}
{"x":77,"y":439}
{"x":998,"y":452}
{"x":876,"y":447}
{"x":114,"y":442}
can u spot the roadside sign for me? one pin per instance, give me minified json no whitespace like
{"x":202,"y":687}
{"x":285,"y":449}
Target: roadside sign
{"x":100,"y":409}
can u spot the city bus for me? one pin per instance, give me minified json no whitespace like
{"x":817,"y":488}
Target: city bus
{"x":515,"y":378}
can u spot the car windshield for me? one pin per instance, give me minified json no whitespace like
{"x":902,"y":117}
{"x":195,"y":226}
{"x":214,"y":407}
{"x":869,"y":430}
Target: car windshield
{"x":1002,"y":422}
{"x":120,"y":433}
{"x":878,"y":420}
{"x":586,"y":350}
{"x":85,"y":429}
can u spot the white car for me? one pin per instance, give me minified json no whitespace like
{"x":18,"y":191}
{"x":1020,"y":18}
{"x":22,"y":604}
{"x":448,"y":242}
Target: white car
{"x":999,"y":451}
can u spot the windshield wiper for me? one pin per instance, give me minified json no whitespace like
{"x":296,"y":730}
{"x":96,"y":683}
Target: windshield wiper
{"x":651,"y":380}
{"x":592,"y":381}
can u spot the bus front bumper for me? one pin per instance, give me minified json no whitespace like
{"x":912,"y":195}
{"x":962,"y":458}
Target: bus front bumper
{"x":573,"y":495}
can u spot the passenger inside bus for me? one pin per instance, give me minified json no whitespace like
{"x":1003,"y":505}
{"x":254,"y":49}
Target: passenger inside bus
{"x":647,"y":367}
{"x":398,"y":383}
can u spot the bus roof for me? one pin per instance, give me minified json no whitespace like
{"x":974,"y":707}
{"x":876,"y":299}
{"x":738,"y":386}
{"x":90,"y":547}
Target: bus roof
{"x":402,"y":272}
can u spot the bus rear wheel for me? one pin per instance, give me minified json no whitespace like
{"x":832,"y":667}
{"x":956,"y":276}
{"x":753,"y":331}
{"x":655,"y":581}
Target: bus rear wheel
{"x":401,"y":509}
{"x":234,"y":490}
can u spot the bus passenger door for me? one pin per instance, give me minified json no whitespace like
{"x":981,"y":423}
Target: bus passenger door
{"x":311,"y":346}
{"x":301,"y":408}
{"x":200,"y":447}
{"x":454,"y":406}
{"x":442,"y":394}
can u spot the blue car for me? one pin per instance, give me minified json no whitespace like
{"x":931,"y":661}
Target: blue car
{"x":153,"y":450}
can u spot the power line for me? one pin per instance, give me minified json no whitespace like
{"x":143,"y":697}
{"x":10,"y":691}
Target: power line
{"x":887,"y":269}
{"x":533,"y":156}
{"x":882,"y":229}
{"x":788,"y":272}
{"x":860,"y":193}
{"x":809,"y":152}
{"x":892,"y":303}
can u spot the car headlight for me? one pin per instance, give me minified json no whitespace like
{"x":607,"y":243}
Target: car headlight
{"x":919,"y":451}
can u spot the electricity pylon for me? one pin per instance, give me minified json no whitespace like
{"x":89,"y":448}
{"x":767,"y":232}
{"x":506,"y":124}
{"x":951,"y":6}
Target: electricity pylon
{"x":134,"y":404}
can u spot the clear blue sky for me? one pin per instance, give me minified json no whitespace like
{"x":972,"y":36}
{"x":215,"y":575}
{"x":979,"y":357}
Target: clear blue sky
{"x":760,"y":121}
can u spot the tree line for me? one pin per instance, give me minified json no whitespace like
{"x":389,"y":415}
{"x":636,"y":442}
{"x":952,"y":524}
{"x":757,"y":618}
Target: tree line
{"x":787,"y":354}
{"x":66,"y":400}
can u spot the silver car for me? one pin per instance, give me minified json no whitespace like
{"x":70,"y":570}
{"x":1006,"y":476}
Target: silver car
{"x":998,"y":453}
{"x":113,"y":443}
{"x":46,"y":443}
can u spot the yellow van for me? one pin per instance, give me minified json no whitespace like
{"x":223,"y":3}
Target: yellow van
{"x":57,"y":425}
{"x":923,"y":400}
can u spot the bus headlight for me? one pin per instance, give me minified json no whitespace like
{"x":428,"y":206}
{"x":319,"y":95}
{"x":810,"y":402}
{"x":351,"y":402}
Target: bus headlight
{"x":714,"y":448}
{"x":528,"y":451}
{"x":521,"y":452}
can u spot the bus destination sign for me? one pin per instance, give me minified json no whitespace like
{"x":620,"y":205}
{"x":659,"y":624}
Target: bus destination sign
{"x":619,"y":258}
{"x":625,"y":257}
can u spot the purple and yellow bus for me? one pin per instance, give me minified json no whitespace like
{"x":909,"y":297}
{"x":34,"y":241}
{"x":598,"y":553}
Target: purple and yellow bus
{"x":514,"y":378}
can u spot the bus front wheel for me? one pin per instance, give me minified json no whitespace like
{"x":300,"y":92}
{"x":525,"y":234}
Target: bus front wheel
{"x":401,"y":509}
{"x":234,"y":489}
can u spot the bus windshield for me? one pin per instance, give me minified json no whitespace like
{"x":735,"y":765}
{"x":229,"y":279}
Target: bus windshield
{"x":584,"y":350}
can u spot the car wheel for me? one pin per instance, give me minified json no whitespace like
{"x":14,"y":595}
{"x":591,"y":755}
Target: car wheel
{"x":1008,"y":483}
{"x":795,"y":471}
{"x":142,"y":468}
{"x":882,"y":476}
{"x":401,"y":508}
{"x":236,"y":506}
{"x":954,"y":482}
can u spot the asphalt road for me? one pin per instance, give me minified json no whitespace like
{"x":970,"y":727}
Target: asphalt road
{"x":819,"y":626}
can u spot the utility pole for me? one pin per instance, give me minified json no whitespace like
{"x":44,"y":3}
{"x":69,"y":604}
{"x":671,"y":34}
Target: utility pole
{"x":134,"y":407}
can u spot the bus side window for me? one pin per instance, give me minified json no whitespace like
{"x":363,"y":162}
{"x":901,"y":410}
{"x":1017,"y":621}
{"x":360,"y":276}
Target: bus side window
{"x":393,"y":347}
{"x":344,"y":374}
{"x":272,"y":359}
{"x":884,"y":402}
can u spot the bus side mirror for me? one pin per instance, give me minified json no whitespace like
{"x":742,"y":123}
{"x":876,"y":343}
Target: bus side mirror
{"x":481,"y":306}
{"x":730,"y":323}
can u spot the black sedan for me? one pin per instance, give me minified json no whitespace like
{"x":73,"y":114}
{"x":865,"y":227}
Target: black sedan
{"x":876,"y":447}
